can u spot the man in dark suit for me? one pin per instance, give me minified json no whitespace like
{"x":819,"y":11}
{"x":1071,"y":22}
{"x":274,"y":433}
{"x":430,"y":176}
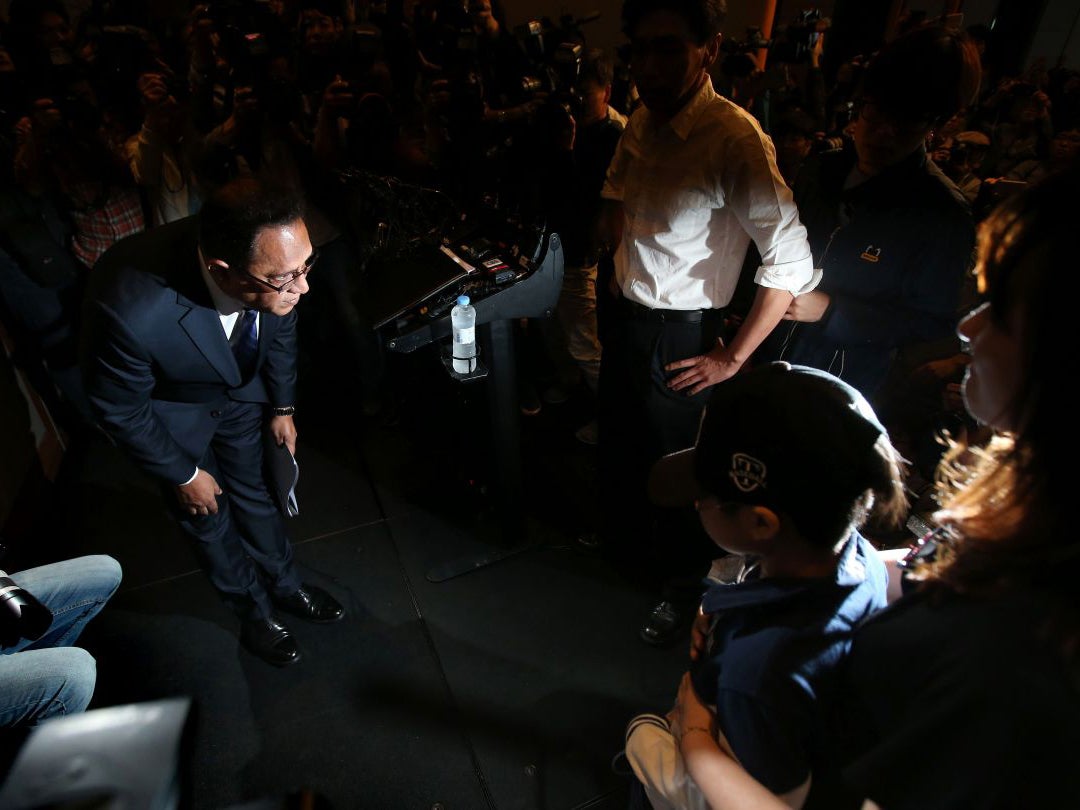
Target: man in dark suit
{"x":190,"y":345}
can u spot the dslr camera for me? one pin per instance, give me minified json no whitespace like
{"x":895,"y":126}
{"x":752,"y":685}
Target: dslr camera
{"x":21,"y":614}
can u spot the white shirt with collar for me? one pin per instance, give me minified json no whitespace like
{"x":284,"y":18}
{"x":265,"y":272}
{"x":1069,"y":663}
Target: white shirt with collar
{"x":695,"y":190}
{"x":228,"y":308}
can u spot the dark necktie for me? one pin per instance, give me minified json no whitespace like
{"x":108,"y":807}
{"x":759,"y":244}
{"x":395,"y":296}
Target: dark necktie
{"x":245,"y":342}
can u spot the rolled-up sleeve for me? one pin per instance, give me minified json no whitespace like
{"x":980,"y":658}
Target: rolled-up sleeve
{"x":762,"y":202}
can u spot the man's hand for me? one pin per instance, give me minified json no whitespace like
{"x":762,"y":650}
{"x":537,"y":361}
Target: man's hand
{"x":199,"y":497}
{"x":699,"y":633}
{"x":284,"y":432}
{"x":337,"y":99}
{"x":808,"y":308}
{"x":566,"y":133}
{"x":703,"y":371}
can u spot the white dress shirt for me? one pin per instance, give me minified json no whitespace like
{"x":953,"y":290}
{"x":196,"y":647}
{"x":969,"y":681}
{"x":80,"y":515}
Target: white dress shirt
{"x":228,"y":309}
{"x":695,"y":190}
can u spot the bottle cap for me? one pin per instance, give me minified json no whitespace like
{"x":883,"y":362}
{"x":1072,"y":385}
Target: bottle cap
{"x":463,"y":301}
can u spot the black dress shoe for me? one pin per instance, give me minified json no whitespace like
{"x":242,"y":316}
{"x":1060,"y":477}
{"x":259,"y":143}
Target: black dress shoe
{"x":664,"y":625}
{"x":311,"y":603}
{"x":270,"y":640}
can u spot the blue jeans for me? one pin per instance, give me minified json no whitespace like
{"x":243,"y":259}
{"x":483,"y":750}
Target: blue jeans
{"x":48,"y":677}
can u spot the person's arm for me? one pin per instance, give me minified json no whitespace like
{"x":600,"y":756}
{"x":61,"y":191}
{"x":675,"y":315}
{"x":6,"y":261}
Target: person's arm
{"x":329,"y":142}
{"x":119,"y":381}
{"x":922,"y":309}
{"x":724,"y":361}
{"x":721,"y":779}
{"x":145,"y":151}
{"x":279,"y":375}
{"x":31,"y":155}
{"x":891,"y":557}
{"x":611,"y":219}
{"x":752,"y":187}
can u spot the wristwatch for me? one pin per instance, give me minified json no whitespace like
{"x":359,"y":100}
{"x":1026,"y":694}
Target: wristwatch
{"x":286,"y":410}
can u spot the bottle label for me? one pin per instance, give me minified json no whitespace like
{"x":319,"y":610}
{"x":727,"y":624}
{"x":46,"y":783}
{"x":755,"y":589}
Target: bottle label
{"x":466,"y":335}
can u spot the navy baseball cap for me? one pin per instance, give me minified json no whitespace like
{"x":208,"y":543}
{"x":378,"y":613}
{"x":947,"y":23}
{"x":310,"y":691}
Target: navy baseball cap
{"x":795,"y":439}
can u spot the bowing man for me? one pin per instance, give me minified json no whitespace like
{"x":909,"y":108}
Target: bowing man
{"x":189,"y":356}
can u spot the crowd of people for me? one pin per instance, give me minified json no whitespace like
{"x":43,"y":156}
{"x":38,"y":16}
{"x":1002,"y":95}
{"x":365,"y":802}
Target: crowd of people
{"x":772,"y":278}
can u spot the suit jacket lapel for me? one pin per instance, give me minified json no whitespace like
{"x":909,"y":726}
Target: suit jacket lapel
{"x":203,"y":326}
{"x":200,"y":320}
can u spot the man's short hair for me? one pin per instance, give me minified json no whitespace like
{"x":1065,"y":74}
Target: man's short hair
{"x":705,"y":18}
{"x":233,"y":215}
{"x":598,"y":68}
{"x":926,"y":74}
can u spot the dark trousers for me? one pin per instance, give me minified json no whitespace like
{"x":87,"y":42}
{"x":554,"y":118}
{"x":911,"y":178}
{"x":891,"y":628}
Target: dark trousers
{"x":641,"y":419}
{"x":245,"y":542}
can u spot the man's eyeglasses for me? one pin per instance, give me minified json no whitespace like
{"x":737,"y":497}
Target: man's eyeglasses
{"x":286,"y":280}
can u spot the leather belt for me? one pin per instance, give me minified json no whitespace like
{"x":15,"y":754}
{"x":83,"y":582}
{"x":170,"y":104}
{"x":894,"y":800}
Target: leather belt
{"x":641,"y":312}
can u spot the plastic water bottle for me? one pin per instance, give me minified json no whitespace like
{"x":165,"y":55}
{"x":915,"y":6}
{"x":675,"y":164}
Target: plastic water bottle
{"x":463,"y":321}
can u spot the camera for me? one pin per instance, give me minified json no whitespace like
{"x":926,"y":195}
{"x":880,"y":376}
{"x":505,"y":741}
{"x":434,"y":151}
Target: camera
{"x":793,"y":43}
{"x":555,"y":53}
{"x":799,"y":38}
{"x":21,"y":614}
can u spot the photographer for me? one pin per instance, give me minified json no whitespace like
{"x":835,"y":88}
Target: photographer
{"x":582,"y":135}
{"x":508,"y":97}
{"x":41,"y":674}
{"x":161,"y":154}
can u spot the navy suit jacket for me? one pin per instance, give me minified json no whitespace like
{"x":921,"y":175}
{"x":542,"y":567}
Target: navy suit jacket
{"x":158,"y":367}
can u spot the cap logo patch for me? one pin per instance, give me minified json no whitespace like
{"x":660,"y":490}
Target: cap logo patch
{"x":747,"y":473}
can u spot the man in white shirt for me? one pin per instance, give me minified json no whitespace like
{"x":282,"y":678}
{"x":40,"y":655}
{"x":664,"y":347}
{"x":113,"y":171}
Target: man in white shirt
{"x":693,"y":181}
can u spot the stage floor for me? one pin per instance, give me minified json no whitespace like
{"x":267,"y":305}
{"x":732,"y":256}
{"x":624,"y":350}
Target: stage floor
{"x":506,"y":687}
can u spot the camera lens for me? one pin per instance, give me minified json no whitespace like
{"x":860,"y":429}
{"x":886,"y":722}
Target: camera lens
{"x":21,"y":614}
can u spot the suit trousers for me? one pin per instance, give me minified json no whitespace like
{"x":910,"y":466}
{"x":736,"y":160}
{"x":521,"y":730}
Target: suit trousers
{"x":244,"y":544}
{"x":641,"y":419}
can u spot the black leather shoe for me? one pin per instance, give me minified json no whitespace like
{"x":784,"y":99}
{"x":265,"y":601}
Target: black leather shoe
{"x":664,"y":625}
{"x":311,"y":603}
{"x":270,"y":640}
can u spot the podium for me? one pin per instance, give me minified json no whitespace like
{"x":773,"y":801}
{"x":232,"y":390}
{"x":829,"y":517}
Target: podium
{"x":531,"y":293}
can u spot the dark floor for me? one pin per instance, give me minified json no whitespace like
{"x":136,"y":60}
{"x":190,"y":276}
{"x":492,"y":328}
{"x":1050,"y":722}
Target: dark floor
{"x":506,"y":687}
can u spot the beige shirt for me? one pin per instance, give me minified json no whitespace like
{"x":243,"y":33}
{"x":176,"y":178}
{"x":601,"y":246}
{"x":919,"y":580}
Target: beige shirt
{"x":695,"y":191}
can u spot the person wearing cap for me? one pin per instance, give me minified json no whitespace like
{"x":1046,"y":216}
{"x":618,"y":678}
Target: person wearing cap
{"x":693,"y":181}
{"x":891,"y":233}
{"x":790,"y":461}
